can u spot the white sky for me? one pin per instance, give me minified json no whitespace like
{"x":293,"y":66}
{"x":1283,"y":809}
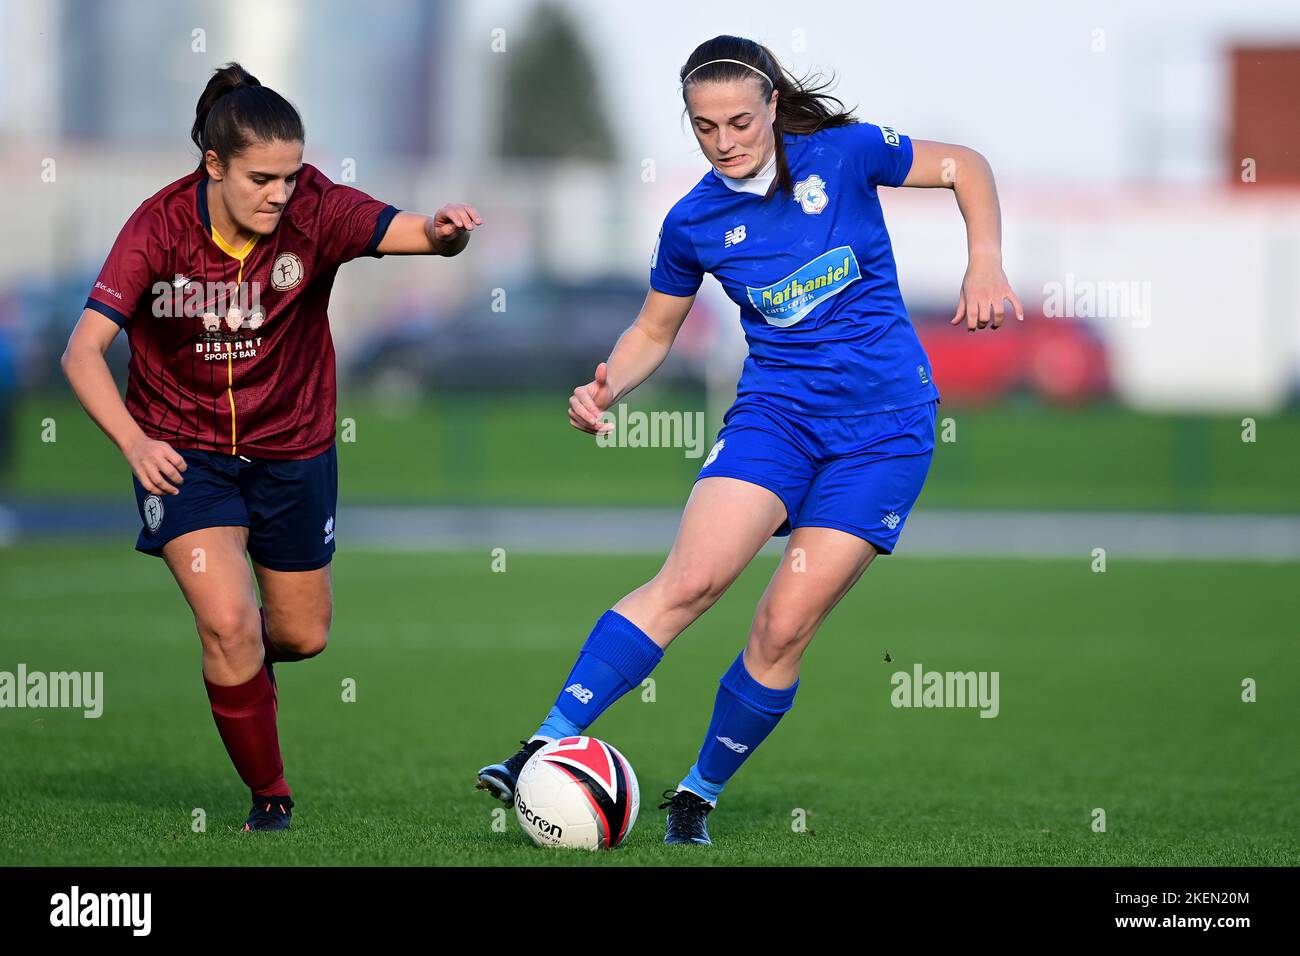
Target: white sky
{"x":1017,"y":80}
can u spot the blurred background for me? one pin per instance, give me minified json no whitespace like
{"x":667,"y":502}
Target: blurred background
{"x":1149,"y":172}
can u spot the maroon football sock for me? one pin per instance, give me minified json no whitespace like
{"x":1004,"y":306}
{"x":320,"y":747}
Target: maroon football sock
{"x":245,"y":716}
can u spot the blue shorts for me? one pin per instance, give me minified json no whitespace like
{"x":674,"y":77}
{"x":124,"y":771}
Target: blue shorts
{"x":287,"y":506}
{"x":860,"y":474}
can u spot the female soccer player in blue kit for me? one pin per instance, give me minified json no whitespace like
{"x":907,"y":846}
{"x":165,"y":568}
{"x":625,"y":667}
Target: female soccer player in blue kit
{"x":832,"y":431}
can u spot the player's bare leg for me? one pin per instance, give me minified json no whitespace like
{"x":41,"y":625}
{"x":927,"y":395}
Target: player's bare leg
{"x":819,"y":567}
{"x":725,"y":523}
{"x":211,"y":566}
{"x":297,"y":608}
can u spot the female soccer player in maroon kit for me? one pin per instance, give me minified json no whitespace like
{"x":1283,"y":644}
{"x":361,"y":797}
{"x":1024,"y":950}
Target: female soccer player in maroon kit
{"x":222,"y":281}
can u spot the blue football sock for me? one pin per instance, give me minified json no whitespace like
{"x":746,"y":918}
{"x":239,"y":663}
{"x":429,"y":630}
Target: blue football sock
{"x":616,"y":657}
{"x":744,"y":713}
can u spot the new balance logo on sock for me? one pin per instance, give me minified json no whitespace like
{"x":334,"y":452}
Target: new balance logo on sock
{"x":732,"y":745}
{"x":577,"y":690}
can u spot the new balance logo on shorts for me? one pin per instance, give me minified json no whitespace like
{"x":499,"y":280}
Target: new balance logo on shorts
{"x":732,"y":745}
{"x":577,"y":690}
{"x":890,"y":521}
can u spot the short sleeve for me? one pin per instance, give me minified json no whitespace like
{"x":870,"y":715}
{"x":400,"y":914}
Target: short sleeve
{"x":351,"y":223}
{"x":134,"y":264}
{"x":674,"y":267}
{"x":883,"y":154}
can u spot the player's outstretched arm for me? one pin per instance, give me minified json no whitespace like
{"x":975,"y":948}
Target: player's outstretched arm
{"x":156,"y":464}
{"x":445,"y":233}
{"x":984,"y":288}
{"x":639,"y":351}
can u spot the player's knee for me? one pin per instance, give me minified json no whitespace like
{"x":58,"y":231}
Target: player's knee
{"x":693,"y":587}
{"x":305,"y":639}
{"x":231,"y":631}
{"x":313,"y":639}
{"x":779,"y":635}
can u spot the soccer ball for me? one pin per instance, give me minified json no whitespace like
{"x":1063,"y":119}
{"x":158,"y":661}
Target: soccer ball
{"x":577,"y":792}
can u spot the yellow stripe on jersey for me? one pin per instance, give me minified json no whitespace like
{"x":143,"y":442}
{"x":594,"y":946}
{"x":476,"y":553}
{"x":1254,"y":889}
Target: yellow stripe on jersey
{"x":241,"y":255}
{"x":228,"y":249}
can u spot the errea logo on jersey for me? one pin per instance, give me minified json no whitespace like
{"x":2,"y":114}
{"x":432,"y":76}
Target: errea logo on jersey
{"x":786,"y":302}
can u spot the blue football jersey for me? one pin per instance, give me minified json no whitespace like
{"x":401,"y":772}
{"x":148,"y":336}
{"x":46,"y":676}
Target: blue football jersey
{"x":813,"y":274}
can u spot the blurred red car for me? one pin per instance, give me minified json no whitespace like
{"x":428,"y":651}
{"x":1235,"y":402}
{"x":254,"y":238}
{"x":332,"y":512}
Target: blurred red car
{"x":1060,"y":360}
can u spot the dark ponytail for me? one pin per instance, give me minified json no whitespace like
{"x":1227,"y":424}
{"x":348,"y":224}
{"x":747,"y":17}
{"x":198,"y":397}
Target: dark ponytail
{"x":236,"y":110}
{"x":802,"y":107}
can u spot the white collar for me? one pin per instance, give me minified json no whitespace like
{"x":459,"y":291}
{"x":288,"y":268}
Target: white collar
{"x":758,"y":184}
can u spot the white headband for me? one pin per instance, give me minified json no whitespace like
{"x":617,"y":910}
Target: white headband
{"x":738,"y":63}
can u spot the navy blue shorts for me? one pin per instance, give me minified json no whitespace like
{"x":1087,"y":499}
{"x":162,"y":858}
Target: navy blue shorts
{"x":287,"y":506}
{"x":859,"y":474}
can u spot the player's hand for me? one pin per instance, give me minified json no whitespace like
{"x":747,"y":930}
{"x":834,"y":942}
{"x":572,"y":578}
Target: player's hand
{"x":984,"y":290}
{"x":157,"y":466}
{"x":453,"y":219}
{"x":588,"y":402}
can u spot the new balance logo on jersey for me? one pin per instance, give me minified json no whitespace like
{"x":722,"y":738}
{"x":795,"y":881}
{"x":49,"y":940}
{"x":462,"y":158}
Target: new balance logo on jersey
{"x":732,"y":745}
{"x":734,"y":237}
{"x":890,"y":520}
{"x":577,"y":690}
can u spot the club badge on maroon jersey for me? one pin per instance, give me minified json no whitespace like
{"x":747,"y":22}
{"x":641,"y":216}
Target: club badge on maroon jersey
{"x":287,"y":272}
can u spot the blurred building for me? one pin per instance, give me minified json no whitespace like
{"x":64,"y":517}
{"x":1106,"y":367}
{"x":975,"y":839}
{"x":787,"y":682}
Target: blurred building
{"x":1119,"y":135}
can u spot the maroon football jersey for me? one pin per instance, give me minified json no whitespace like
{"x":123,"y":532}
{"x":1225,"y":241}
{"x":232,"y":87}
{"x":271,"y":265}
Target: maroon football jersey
{"x":231,"y":348}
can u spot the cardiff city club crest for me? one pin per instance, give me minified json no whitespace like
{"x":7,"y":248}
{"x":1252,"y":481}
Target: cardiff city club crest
{"x":811,"y":194}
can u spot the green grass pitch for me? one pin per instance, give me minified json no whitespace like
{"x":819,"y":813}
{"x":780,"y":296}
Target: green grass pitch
{"x":520,"y":450}
{"x":1119,"y":691}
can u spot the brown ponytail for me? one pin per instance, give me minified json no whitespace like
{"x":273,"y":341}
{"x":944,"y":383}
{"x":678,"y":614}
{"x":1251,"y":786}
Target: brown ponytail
{"x":802,"y":107}
{"x":236,"y":110}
